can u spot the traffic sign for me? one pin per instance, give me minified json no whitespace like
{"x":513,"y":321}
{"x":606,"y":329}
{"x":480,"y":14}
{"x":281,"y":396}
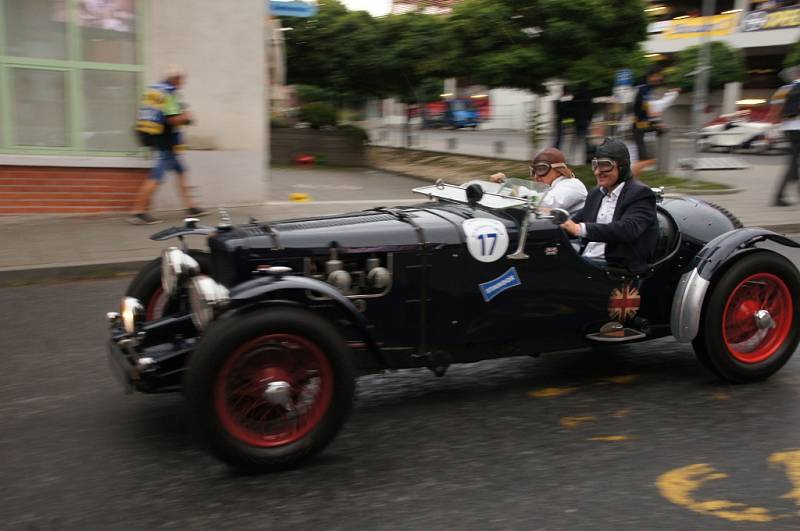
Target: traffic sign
{"x":292,"y":8}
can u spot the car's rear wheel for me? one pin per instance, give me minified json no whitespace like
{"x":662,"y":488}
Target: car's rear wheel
{"x":269,"y":389}
{"x":751,"y":323}
{"x":146,"y":286}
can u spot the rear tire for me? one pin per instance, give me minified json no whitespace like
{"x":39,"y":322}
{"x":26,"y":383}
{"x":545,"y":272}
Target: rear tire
{"x":231,"y":373}
{"x":732,"y":341}
{"x":146,"y":286}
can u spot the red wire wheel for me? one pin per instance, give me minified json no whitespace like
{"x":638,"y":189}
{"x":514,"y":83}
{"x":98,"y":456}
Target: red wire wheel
{"x":156,"y":305}
{"x":747,"y":341}
{"x":273,"y":390}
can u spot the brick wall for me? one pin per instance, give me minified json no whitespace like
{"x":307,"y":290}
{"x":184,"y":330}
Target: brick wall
{"x":54,"y":189}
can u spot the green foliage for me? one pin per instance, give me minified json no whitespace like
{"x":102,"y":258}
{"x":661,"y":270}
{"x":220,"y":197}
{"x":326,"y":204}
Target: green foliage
{"x":277,"y":121}
{"x":523,"y":43}
{"x":727,"y":66}
{"x":313,"y":94}
{"x":356,"y":135}
{"x":318,"y":114}
{"x":792,"y":56}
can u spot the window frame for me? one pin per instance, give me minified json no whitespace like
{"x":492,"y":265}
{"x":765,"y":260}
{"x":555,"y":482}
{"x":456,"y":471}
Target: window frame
{"x":74,"y":66}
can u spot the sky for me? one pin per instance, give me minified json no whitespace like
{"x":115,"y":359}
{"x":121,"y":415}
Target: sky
{"x":375,"y":7}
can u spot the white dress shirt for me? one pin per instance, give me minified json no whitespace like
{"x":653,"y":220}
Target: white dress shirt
{"x":568,"y":193}
{"x":605,"y":215}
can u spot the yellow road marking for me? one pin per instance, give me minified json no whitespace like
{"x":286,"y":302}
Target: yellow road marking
{"x":678,"y":486}
{"x":552,"y":392}
{"x":791,"y":462}
{"x":611,"y":438}
{"x":621,"y":413}
{"x":574,"y":422}
{"x":721,"y":395}
{"x":299,"y":197}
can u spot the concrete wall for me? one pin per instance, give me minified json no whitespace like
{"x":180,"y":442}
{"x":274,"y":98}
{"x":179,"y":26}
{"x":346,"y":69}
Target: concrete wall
{"x":333,"y":148}
{"x":509,"y":108}
{"x":221,"y":45}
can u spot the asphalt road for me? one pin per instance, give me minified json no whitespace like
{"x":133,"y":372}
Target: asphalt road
{"x":638,"y":438}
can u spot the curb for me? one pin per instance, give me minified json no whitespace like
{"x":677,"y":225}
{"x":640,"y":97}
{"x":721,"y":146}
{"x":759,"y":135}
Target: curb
{"x":23,"y":276}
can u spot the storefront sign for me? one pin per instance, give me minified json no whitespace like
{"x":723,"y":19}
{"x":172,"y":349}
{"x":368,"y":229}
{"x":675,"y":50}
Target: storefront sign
{"x":766,"y":20}
{"x":715,"y":26}
{"x":292,"y":8}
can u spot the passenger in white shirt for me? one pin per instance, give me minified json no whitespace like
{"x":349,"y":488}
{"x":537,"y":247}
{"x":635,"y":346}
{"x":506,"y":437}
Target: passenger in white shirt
{"x":564,"y":190}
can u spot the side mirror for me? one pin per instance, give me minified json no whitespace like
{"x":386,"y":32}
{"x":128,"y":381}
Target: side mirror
{"x":559,"y":216}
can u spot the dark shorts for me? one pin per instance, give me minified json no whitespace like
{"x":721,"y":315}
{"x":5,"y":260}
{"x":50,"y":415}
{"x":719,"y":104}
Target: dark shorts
{"x":165,"y":161}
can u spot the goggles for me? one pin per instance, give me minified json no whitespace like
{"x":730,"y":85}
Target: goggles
{"x":604,"y":165}
{"x":540,"y":169}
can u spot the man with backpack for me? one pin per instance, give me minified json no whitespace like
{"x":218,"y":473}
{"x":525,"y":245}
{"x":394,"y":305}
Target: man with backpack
{"x":159,"y":121}
{"x":789,"y":95}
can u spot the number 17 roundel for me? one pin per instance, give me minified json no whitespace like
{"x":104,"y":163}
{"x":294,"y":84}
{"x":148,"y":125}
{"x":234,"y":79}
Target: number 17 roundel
{"x":487,"y":239}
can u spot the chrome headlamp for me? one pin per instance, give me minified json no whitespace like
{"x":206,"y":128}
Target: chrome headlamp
{"x":132,"y":313}
{"x":175,"y":264}
{"x":205,"y":298}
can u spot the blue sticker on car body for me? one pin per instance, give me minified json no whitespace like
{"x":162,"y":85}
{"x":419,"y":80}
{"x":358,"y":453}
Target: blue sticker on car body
{"x":493,"y":288}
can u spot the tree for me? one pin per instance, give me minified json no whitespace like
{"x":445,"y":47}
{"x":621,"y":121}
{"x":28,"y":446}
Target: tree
{"x":523,"y":43}
{"x":793,"y":56}
{"x":727,"y":66}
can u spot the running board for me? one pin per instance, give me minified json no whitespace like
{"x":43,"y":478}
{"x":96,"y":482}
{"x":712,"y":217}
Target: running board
{"x":623,"y":335}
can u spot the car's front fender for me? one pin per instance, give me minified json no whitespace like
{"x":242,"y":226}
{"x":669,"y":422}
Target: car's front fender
{"x":266,"y":288}
{"x":687,"y":303}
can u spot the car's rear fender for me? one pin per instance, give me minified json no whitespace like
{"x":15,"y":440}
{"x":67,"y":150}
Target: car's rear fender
{"x":293,"y":290}
{"x":710,"y":262}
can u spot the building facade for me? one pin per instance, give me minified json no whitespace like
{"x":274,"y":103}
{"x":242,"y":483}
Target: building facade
{"x":71,"y":74}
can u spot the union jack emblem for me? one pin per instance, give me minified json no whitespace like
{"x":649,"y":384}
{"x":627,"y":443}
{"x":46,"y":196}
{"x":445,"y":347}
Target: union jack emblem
{"x":624,"y":302}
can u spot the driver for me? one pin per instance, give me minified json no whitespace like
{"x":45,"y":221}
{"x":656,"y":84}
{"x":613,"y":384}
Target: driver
{"x":564,"y":190}
{"x":618,"y":225}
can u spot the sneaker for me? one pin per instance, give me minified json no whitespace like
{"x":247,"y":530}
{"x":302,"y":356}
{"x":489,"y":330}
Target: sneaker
{"x":196,"y":212}
{"x":143,"y":218}
{"x":781,"y":203}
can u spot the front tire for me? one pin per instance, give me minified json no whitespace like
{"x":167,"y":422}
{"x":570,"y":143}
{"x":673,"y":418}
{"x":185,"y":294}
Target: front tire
{"x":751,"y":323}
{"x":146,"y":286}
{"x":269,"y":389}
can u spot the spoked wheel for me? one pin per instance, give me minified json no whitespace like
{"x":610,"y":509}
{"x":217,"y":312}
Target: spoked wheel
{"x":146,"y":286}
{"x":751,"y":324}
{"x":271,"y":388}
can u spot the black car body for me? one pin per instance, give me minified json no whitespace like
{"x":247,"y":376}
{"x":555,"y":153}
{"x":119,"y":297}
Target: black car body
{"x":445,"y":281}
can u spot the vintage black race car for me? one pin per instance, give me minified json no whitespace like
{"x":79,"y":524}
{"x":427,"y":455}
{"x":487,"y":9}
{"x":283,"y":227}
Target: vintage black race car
{"x":266,"y":331}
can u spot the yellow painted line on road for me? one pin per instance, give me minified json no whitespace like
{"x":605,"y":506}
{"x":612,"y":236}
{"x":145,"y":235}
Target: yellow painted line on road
{"x":610,"y":438}
{"x":552,"y":392}
{"x":574,"y":422}
{"x":679,"y":485}
{"x":624,"y":379}
{"x":621,"y":413}
{"x":721,"y":395}
{"x":791,"y":462}
{"x":299,"y":197}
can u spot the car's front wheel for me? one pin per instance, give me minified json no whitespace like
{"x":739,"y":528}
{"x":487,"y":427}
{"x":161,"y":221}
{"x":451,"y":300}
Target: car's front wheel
{"x":751,"y":323}
{"x":270,"y":388}
{"x":146,"y":286}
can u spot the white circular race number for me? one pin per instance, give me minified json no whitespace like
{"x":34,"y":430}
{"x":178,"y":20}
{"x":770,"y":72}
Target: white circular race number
{"x":487,"y":239}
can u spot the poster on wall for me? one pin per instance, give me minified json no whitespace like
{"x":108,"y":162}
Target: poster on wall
{"x":113,"y":15}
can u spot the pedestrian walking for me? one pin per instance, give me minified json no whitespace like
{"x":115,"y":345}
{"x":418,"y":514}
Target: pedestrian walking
{"x":786,"y":104}
{"x":160,"y":120}
{"x":648,"y":112}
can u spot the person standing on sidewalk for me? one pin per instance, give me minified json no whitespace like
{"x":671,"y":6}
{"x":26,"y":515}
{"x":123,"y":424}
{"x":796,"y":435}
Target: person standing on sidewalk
{"x":159,"y":122}
{"x":789,"y":114}
{"x":647,"y":111}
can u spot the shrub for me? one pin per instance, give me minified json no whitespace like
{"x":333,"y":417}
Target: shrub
{"x":318,"y":114}
{"x":357,"y":135}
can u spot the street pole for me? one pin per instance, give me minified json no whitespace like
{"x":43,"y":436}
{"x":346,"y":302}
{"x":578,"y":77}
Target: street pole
{"x":701,"y":76}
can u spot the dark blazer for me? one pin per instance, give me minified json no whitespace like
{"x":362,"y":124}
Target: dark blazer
{"x":632,"y":235}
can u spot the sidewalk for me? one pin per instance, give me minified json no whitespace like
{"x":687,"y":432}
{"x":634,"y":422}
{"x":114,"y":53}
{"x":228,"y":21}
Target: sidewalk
{"x":35,"y":247}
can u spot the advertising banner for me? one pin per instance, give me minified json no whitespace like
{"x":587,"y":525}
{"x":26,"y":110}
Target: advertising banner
{"x":715,"y":26}
{"x":766,"y":20}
